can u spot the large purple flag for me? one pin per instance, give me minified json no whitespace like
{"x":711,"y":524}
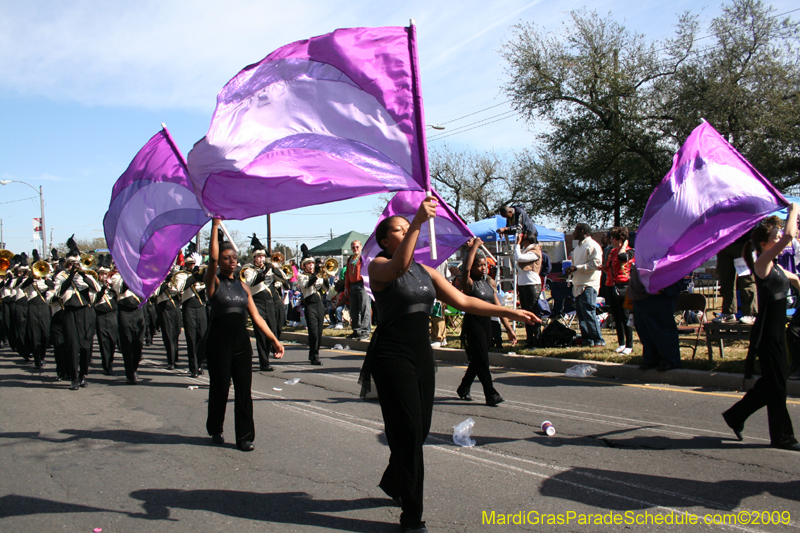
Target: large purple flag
{"x":153,"y":213}
{"x":710,"y":197}
{"x":325,"y":119}
{"x":451,"y":231}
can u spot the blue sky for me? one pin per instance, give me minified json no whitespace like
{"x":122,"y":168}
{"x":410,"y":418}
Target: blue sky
{"x":84,"y":84}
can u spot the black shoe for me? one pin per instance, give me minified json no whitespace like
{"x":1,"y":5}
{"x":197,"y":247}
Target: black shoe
{"x":648,"y":366}
{"x":193,"y":374}
{"x":75,"y":385}
{"x":419,"y":528}
{"x":108,"y":372}
{"x":200,"y":372}
{"x":788,"y":444}
{"x":130,"y":381}
{"x":219,"y":438}
{"x":84,"y":384}
{"x":268,"y":368}
{"x":316,"y":362}
{"x":664,"y":367}
{"x":170,"y":367}
{"x":363,"y":338}
{"x":795,"y":376}
{"x":464,"y":395}
{"x":494,"y":399}
{"x":245,"y":446}
{"x":59,"y":378}
{"x":737,"y":428}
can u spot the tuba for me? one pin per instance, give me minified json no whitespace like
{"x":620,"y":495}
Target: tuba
{"x":5,"y":260}
{"x":244,"y":269}
{"x":287,"y":271}
{"x":277,"y":257}
{"x":40,"y":269}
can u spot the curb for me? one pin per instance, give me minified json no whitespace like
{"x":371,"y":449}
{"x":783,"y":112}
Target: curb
{"x":680,"y":377}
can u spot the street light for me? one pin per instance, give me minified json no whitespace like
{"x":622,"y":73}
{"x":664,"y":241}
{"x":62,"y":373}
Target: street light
{"x":435,"y":126}
{"x":41,"y":204}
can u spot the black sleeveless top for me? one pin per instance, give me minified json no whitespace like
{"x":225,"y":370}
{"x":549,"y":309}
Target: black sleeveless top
{"x":772,"y":288}
{"x":413,"y":292}
{"x":482,"y":290}
{"x":230,"y":297}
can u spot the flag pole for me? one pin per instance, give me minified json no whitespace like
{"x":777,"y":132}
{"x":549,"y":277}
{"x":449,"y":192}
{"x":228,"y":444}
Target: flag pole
{"x":228,"y":235}
{"x":419,"y":115}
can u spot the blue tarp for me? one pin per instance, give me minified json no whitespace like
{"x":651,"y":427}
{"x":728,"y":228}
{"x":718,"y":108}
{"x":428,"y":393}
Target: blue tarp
{"x":486,"y":229}
{"x":783,"y":213}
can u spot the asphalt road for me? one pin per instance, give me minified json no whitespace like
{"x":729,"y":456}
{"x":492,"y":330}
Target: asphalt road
{"x":136,"y":458}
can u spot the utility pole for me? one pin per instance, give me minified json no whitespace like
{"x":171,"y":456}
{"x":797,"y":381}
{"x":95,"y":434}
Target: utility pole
{"x":269,"y":235}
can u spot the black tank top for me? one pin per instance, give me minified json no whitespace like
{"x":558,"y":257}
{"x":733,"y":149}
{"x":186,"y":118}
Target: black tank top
{"x":411,"y":293}
{"x":772,"y":288}
{"x":482,"y":290}
{"x":230,"y":297}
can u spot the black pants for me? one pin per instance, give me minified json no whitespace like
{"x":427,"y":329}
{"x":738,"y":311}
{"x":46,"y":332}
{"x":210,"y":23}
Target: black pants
{"x":266,"y":309}
{"x":21,"y":328}
{"x":477,"y":332}
{"x":315,"y":317}
{"x":59,"y":340}
{"x":107,"y":338}
{"x":405,"y":386}
{"x":730,"y":282}
{"x":79,"y":323}
{"x":170,"y":317}
{"x":621,"y":315}
{"x":529,"y":296}
{"x":8,"y":321}
{"x":497,"y":335}
{"x":150,"y":322}
{"x":229,"y":358}
{"x":131,"y":339}
{"x":769,"y":391}
{"x":280,"y":312}
{"x":195,"y":327}
{"x":38,"y":325}
{"x":658,"y":333}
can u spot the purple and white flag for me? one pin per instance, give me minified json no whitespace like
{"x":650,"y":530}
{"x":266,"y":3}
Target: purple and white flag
{"x":325,"y":119}
{"x":710,"y":197}
{"x":153,"y":213}
{"x":451,"y":231}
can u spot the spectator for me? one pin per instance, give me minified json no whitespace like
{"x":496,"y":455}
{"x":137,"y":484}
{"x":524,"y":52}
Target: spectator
{"x":528,"y":261}
{"x":518,"y":222}
{"x":586,"y":264}
{"x":617,"y":268}
{"x":729,"y":282}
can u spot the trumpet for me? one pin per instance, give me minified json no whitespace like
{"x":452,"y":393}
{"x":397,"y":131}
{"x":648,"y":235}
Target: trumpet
{"x":92,"y":274}
{"x":40,"y":269}
{"x":87,"y":261}
{"x":5,"y":260}
{"x":277,"y":257}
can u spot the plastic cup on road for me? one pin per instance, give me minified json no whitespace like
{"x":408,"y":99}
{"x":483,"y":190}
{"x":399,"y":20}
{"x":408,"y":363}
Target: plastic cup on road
{"x":548,"y":428}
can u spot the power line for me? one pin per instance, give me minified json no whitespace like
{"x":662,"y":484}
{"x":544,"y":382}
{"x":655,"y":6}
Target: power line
{"x":473,"y":125}
{"x":13,"y":201}
{"x":509,"y":115}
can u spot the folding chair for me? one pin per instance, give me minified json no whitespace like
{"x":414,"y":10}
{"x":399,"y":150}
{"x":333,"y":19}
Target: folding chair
{"x":563,"y":307}
{"x":688,"y":301}
{"x":452,"y":319}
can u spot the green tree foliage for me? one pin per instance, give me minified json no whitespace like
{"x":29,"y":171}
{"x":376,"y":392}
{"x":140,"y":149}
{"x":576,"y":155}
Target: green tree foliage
{"x":617,"y":107}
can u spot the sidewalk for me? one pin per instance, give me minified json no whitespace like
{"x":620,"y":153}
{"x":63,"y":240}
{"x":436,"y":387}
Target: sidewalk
{"x":680,"y":377}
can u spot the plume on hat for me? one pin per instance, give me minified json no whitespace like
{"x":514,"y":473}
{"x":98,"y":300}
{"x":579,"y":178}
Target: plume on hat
{"x":304,"y":249}
{"x":256,"y":244}
{"x":73,"y":247}
{"x":54,"y":255}
{"x":35,"y":254}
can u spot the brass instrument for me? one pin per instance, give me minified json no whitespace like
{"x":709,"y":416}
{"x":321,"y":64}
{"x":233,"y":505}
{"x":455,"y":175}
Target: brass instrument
{"x":5,"y":260}
{"x":87,"y":261}
{"x":242,"y":272}
{"x":92,"y":274}
{"x":287,"y":271}
{"x":277,"y":257}
{"x":179,"y":277}
{"x":40,"y":269}
{"x":330,"y":267}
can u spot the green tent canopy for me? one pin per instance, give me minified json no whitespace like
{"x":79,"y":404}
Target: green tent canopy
{"x":338,"y":246}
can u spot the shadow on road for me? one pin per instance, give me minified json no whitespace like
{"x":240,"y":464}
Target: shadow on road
{"x":281,"y":507}
{"x":123,"y":436}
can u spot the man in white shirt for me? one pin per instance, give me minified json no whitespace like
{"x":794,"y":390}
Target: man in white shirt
{"x":587,"y":260}
{"x":528,"y":261}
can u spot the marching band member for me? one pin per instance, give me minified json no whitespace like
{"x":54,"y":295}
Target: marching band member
{"x":57,"y":336}
{"x":130,"y":319}
{"x":168,"y":304}
{"x":278,"y":287}
{"x":105,"y":307}
{"x":79,"y":317}
{"x":195,"y":318}
{"x":259,"y":278}
{"x":21,"y":309}
{"x":38,"y":321}
{"x":311,"y":281}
